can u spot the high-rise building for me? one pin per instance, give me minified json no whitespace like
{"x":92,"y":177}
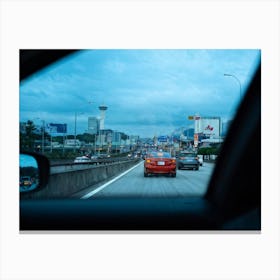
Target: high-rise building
{"x":134,"y":139}
{"x":93,"y":125}
{"x":104,"y":137}
{"x":116,"y":138}
{"x":102,"y":109}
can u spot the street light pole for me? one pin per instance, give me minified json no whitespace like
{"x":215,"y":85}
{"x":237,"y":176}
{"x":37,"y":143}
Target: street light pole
{"x":75,"y":133}
{"x":75,"y":129}
{"x":233,"y":76}
{"x":43,"y":134}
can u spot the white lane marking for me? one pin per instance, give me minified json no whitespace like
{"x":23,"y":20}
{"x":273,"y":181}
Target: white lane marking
{"x":90,"y":194}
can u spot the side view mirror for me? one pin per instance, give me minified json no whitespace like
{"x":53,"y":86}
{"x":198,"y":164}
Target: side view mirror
{"x":33,"y":172}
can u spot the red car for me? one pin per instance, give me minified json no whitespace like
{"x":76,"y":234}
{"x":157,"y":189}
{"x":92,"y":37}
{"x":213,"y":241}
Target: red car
{"x":160,"y":163}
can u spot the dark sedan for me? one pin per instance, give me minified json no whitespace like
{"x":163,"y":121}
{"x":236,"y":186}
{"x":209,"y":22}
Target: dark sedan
{"x":188,"y":160}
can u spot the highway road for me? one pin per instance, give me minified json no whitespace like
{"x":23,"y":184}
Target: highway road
{"x":134,"y":184}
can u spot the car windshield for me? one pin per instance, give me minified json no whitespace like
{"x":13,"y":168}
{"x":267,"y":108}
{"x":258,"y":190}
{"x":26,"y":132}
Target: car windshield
{"x":115,"y":106}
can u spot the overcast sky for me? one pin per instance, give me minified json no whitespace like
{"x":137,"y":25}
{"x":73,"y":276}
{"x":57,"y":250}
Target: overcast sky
{"x":147,"y":92}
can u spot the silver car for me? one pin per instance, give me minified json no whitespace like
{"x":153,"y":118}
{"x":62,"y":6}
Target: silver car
{"x":188,"y":160}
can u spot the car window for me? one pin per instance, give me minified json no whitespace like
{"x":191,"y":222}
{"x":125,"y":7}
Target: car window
{"x":188,"y":155}
{"x":98,"y":114}
{"x":160,"y":155}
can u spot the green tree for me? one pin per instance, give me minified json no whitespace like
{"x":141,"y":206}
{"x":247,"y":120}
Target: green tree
{"x":208,"y":150}
{"x":124,"y":136}
{"x":28,"y":137}
{"x":86,"y":137}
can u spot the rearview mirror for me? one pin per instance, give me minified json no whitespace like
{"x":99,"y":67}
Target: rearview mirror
{"x":28,"y":173}
{"x":33,"y":172}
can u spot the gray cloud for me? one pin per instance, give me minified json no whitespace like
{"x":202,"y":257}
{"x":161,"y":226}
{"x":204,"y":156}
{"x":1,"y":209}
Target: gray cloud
{"x":145,"y":90}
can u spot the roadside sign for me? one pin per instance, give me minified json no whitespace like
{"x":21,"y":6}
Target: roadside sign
{"x":57,"y":127}
{"x":162,"y":139}
{"x":195,"y":138}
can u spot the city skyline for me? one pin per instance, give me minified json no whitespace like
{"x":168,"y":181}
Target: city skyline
{"x":147,"y":92}
{"x":177,"y":132}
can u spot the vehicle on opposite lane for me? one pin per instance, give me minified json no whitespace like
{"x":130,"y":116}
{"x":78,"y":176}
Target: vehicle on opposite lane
{"x":82,"y":159}
{"x":160,"y":163}
{"x":101,"y":156}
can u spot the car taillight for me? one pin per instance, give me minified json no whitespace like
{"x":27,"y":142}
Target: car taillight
{"x":181,"y":158}
{"x":173,"y":160}
{"x":148,"y":161}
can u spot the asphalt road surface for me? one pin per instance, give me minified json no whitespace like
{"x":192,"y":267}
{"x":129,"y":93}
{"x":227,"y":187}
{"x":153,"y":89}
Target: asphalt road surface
{"x":134,"y":184}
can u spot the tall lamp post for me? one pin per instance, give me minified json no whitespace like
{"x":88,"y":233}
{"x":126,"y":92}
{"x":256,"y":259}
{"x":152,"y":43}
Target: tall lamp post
{"x":43,"y":134}
{"x":76,"y":114}
{"x":233,"y":76}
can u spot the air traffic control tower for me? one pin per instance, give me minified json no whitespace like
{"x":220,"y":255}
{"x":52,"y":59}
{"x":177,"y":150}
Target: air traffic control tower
{"x":102,"y":109}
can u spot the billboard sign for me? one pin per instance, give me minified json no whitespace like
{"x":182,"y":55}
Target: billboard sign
{"x":163,"y":138}
{"x":191,"y":118}
{"x":210,"y":126}
{"x":57,"y":127}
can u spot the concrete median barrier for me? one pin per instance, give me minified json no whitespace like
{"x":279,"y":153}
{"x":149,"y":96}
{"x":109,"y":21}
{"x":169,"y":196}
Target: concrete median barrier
{"x":64,"y":184}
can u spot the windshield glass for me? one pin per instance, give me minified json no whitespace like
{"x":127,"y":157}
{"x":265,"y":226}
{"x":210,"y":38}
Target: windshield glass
{"x":187,"y":155}
{"x":114,"y":107}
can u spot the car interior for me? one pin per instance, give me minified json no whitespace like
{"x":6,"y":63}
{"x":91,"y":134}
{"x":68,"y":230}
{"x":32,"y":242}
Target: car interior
{"x":232,"y":200}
